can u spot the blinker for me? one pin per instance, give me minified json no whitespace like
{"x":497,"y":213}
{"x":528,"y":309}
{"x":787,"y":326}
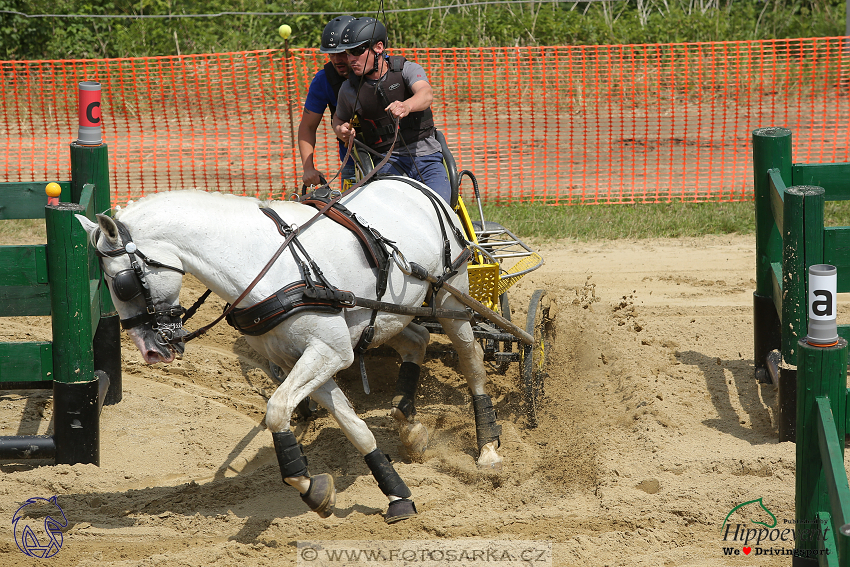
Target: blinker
{"x":126,"y":285}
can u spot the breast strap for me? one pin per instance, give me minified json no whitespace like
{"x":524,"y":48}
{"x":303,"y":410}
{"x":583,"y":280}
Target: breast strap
{"x":274,"y":310}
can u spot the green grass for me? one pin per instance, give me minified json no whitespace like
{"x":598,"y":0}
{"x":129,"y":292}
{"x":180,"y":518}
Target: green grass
{"x":580,"y":222}
{"x":593,"y":222}
{"x":25,"y":231}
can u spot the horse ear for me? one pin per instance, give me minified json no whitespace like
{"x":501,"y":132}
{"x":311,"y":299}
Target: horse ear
{"x":88,"y":225}
{"x":108,"y":228}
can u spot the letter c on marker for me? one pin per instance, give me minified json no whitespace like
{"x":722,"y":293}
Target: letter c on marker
{"x":89,"y":112}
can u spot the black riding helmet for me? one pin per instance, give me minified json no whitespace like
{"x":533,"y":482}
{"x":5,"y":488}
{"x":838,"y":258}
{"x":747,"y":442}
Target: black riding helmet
{"x":332,"y":34}
{"x":363,"y":30}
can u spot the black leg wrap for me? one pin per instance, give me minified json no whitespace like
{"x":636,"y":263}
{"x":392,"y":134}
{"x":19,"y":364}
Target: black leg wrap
{"x":486,"y":428}
{"x":405,"y":388}
{"x":292,"y":462}
{"x":388,"y":480}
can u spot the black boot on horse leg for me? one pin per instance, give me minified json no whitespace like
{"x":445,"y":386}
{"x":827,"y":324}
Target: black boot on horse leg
{"x":487,"y":431}
{"x":412,"y":433}
{"x":318,"y":491}
{"x":401,"y":506}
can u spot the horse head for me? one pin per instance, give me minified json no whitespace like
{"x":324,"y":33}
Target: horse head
{"x":145,"y":291}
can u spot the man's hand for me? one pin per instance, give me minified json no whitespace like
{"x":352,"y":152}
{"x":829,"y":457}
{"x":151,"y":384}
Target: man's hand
{"x":344,"y":131}
{"x":398,"y":108}
{"x":312,"y":176}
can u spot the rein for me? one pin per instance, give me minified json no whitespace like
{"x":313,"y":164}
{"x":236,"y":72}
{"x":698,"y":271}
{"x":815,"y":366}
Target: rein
{"x":298,"y":230}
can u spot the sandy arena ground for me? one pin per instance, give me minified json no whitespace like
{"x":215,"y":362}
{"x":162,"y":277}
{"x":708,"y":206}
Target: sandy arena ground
{"x":652,"y":430}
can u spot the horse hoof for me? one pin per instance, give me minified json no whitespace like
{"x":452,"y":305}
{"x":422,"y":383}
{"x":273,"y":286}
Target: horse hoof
{"x":488,"y":458}
{"x":320,"y":497}
{"x":415,"y":437}
{"x":490,"y":465}
{"x":398,"y":510}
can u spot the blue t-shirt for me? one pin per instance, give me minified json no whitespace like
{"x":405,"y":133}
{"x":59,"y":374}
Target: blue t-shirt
{"x":320,"y":96}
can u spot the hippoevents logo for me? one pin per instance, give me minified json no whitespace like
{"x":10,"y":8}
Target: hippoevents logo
{"x":38,"y":533}
{"x":762,"y":536}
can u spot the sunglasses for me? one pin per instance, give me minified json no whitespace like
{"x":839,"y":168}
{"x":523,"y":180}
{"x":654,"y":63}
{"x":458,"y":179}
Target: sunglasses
{"x":358,"y":51}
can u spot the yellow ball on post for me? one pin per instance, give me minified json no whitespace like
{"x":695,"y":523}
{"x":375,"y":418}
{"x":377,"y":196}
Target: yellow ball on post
{"x":53,"y":189}
{"x":285,"y":31}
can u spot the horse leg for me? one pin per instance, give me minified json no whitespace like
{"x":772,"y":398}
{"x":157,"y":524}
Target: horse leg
{"x":410,"y":344}
{"x":306,"y":408}
{"x":313,"y":375}
{"x":316,"y":366}
{"x":471,"y":360}
{"x":401,"y":506}
{"x":304,"y":411}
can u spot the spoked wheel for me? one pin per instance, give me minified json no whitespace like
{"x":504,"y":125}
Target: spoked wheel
{"x":507,"y":346}
{"x":534,"y":364}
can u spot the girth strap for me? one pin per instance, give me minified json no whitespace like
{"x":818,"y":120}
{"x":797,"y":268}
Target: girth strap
{"x":286,"y":302}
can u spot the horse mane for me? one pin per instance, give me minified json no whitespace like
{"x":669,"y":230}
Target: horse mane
{"x":215,"y":197}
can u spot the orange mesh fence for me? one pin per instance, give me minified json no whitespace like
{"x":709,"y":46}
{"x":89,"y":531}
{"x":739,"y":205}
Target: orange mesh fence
{"x":561,"y":125}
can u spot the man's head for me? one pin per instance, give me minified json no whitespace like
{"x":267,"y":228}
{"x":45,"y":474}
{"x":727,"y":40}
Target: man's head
{"x":364,"y":40}
{"x":331,"y":36}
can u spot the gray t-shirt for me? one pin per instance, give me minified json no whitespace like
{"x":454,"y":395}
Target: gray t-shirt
{"x":411,"y":73}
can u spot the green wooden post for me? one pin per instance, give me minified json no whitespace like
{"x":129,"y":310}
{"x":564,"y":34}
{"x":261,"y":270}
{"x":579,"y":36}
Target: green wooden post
{"x":75,"y":388}
{"x":771,"y":150}
{"x":821,"y":374}
{"x":794,"y":309}
{"x":67,"y":266}
{"x":90,"y":164}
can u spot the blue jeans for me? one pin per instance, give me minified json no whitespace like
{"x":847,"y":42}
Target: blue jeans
{"x":432,"y":169}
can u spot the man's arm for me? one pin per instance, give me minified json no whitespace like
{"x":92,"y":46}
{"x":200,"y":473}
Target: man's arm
{"x":343,"y":130}
{"x":344,"y":112}
{"x":307,"y":144}
{"x":421,"y":99}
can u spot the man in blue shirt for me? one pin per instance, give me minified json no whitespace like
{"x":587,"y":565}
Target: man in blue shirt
{"x":323,"y":94}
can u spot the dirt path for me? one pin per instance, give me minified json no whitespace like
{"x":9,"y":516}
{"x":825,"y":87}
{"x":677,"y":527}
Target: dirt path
{"x":652,"y":430}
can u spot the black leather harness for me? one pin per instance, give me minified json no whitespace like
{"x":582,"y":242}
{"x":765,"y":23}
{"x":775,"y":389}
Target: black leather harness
{"x":316,"y":295}
{"x":320,"y":295}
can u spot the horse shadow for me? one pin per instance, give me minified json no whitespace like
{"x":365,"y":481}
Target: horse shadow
{"x":756,"y":400}
{"x":259,"y":497}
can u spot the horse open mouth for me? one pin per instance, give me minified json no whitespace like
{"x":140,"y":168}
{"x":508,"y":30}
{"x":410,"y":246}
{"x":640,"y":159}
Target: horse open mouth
{"x":153,"y":350}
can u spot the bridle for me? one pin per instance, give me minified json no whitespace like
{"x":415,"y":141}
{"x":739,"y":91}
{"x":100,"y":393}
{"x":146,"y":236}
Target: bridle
{"x":130,"y":283}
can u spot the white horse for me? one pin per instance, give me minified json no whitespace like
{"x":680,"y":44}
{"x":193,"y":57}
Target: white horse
{"x":225,"y":241}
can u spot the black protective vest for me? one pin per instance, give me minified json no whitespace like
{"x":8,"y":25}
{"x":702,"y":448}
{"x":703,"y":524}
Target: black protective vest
{"x":336,"y":80}
{"x":376,"y":128}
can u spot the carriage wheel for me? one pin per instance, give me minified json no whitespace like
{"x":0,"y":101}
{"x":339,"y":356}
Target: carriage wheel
{"x":534,"y":364}
{"x":505,"y":306}
{"x":507,"y":346}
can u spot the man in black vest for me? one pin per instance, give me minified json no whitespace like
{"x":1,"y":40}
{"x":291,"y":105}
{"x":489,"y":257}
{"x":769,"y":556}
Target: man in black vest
{"x":381,"y":89}
{"x":323,"y":94}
